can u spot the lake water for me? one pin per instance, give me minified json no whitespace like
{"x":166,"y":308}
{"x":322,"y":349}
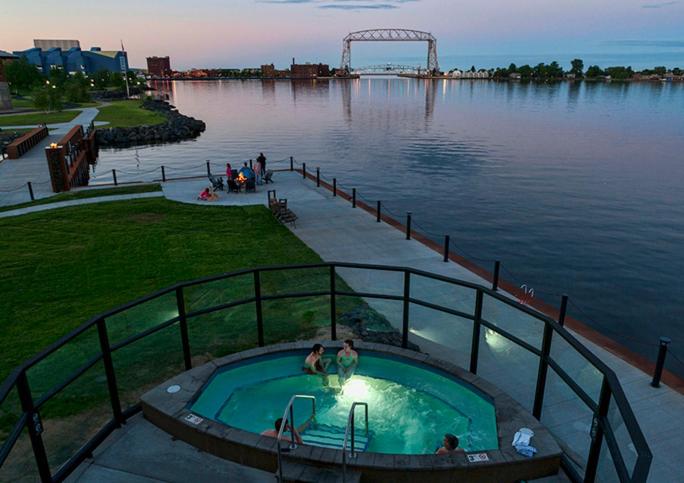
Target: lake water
{"x":577,"y":188}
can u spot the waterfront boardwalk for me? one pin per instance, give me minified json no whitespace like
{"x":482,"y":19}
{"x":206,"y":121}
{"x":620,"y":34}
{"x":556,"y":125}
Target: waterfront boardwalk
{"x":337,"y":232}
{"x":32,"y":167}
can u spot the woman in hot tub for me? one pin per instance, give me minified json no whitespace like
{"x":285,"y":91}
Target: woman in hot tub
{"x":347,"y":360}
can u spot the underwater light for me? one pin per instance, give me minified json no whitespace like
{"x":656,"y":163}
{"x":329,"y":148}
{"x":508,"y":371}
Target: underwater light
{"x":356,"y":388}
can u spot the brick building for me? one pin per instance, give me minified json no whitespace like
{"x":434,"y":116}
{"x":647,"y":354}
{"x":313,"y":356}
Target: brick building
{"x":159,"y":66}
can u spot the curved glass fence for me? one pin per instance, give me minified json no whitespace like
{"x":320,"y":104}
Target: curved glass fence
{"x":57,"y":407}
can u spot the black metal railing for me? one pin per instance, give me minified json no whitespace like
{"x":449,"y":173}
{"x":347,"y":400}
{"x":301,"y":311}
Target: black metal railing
{"x":614,"y":428}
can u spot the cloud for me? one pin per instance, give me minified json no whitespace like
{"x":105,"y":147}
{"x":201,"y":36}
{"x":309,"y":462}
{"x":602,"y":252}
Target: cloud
{"x":660,"y":4}
{"x":666,"y":44}
{"x":345,"y":4}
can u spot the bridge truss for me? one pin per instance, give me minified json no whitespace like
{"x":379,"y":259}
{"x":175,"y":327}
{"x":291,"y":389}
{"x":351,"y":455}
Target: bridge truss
{"x":390,"y":35}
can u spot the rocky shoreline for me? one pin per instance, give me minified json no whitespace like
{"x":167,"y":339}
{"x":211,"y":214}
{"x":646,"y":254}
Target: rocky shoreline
{"x":177,"y":127}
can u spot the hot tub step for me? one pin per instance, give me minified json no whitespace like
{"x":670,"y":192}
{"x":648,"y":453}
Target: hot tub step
{"x":301,"y":473}
{"x":328,"y":436}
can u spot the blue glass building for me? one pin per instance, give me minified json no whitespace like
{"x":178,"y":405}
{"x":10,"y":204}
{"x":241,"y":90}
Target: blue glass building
{"x":76,"y":60}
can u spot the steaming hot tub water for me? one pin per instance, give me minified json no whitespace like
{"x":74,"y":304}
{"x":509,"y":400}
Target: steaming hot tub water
{"x":410,"y":406}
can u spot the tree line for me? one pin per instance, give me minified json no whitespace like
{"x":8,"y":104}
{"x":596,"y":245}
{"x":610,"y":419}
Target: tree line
{"x":553,"y":71}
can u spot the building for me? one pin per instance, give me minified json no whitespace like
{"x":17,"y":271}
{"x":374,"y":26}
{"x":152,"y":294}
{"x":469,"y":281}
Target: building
{"x":75,"y":60}
{"x":268,"y":71}
{"x":56,"y":44}
{"x":309,"y":71}
{"x":159,"y":66}
{"x":5,"y":97}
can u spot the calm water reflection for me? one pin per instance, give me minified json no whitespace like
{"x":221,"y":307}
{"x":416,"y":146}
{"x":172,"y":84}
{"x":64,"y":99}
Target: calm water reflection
{"x":576,"y":187}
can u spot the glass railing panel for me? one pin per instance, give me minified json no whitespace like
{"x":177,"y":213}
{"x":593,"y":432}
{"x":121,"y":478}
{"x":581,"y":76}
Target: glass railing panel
{"x":578,"y":367}
{"x":371,"y":320}
{"x":437,"y":292}
{"x":622,"y":437}
{"x":288,"y":281}
{"x":508,"y":366}
{"x":441,"y":335}
{"x":142,"y":317}
{"x":147,"y":362}
{"x":384,"y":282}
{"x":223,"y":332}
{"x":63,"y":362}
{"x":218,"y":292}
{"x":20,"y":465}
{"x":288,"y":320}
{"x":606,"y":471}
{"x":568,"y":418}
{"x":513,"y":320}
{"x":74,"y":415}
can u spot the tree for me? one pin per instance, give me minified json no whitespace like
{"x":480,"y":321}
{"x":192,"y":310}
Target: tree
{"x":76,"y":88}
{"x":512,"y":69}
{"x":525,"y":71}
{"x":472,"y":69}
{"x":22,"y":75}
{"x":577,"y":67}
{"x":594,"y":71}
{"x":47,"y":98}
{"x":660,"y":70}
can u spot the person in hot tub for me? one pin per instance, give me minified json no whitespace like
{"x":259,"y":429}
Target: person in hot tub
{"x":449,"y":445}
{"x":315,"y":364}
{"x":347,"y":360}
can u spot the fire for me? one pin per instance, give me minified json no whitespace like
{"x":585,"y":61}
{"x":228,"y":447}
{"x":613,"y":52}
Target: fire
{"x":241,"y":178}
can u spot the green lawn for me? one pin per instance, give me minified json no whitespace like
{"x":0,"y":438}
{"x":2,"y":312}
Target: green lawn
{"x":91,"y":193}
{"x":64,"y":266}
{"x":128,"y":114}
{"x":25,"y":102}
{"x":35,"y":118}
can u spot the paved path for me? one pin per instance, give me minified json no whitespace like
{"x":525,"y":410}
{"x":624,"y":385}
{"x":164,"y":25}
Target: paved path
{"x":78,"y":202}
{"x":16,"y":173}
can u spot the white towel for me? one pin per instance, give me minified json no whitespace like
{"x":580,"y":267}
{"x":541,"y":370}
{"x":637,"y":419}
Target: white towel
{"x":522,"y":437}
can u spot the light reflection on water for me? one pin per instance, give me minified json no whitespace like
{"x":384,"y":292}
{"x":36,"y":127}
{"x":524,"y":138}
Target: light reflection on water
{"x":577,"y":188}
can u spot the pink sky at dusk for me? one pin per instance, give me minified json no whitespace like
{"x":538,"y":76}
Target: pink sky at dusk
{"x":235,"y":33}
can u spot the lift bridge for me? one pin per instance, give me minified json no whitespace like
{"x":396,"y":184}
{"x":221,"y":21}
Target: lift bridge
{"x":390,"y":35}
{"x":388,"y":69}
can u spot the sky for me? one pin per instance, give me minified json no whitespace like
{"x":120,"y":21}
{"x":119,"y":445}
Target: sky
{"x":242,"y":33}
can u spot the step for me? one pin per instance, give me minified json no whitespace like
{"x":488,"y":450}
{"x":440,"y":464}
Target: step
{"x":302,"y":473}
{"x":327,"y":436}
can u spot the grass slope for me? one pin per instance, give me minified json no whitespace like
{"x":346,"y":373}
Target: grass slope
{"x":128,"y":114}
{"x":36,"y":118}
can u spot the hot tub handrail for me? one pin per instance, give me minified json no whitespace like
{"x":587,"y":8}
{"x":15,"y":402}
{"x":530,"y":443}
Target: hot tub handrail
{"x":350,"y":424}
{"x":288,"y":416}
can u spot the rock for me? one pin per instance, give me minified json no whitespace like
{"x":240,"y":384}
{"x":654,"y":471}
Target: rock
{"x":176,"y":128}
{"x":370,"y":326}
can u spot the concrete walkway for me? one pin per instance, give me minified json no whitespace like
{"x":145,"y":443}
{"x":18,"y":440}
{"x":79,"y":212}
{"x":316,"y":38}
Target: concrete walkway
{"x":79,"y":202}
{"x":16,"y":173}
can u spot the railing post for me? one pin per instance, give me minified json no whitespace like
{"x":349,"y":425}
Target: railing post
{"x":377,"y":210}
{"x":334,"y":186}
{"x":563,"y":310}
{"x":109,"y":371}
{"x":542,"y":371}
{"x":114,"y":176}
{"x":291,"y":163}
{"x":183,"y":326}
{"x":497,"y":271}
{"x":405,"y":317}
{"x":318,"y":177}
{"x":353,"y":197}
{"x":257,"y":303}
{"x":304,"y":170}
{"x":597,"y":433}
{"x":250,"y":164}
{"x":408,"y":225}
{"x":163,"y":174}
{"x":208,"y":167}
{"x":30,"y":190}
{"x":477,"y":325}
{"x":35,"y":427}
{"x":333,"y":303}
{"x":447,"y":241}
{"x":660,"y":363}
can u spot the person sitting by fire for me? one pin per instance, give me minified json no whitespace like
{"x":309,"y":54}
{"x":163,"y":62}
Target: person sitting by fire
{"x":208,"y":195}
{"x":258,"y":172}
{"x":246,"y":172}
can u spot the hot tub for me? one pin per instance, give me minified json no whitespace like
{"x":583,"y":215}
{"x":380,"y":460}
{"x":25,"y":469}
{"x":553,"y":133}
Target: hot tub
{"x":413,"y":399}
